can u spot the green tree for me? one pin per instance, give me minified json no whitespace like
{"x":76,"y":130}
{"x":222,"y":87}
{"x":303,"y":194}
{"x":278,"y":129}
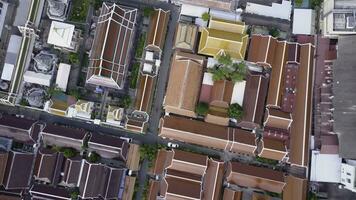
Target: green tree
{"x":274,"y":32}
{"x":125,"y":101}
{"x":316,"y":3}
{"x":235,"y":111}
{"x":69,"y":152}
{"x":225,"y":60}
{"x":54,"y":90}
{"x":298,"y":3}
{"x":205,"y":16}
{"x":24,"y":102}
{"x":74,"y":193}
{"x":202,"y":108}
{"x":94,"y":157}
{"x":73,"y":58}
{"x":147,"y":11}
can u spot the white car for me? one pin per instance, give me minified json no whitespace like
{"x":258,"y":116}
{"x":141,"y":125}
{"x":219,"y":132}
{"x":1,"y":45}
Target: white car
{"x":172,"y":145}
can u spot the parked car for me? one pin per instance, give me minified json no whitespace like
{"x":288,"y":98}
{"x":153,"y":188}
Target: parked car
{"x":172,"y":145}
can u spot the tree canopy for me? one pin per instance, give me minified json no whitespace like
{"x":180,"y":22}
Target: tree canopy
{"x":228,"y":70}
{"x":235,"y":111}
{"x":202,"y":108}
{"x":205,"y":16}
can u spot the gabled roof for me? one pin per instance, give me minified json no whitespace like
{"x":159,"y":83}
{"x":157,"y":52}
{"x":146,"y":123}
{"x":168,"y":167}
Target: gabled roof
{"x":207,"y":134}
{"x":277,"y":119}
{"x":100,"y":180}
{"x":255,"y":177}
{"x":109,"y":142}
{"x":157,"y":29}
{"x":232,"y":195}
{"x":19,"y":129}
{"x":144,"y":92}
{"x":188,"y":175}
{"x":184,"y":84}
{"x":47,"y":192}
{"x":3,"y":162}
{"x":112,"y":43}
{"x":273,"y":149}
{"x":186,"y":36}
{"x":18,"y":170}
{"x":72,"y":169}
{"x":64,"y":132}
{"x":224,"y":37}
{"x":47,"y":164}
{"x":255,"y":97}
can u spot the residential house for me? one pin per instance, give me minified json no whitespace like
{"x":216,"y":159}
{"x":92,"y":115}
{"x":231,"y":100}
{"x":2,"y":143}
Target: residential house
{"x":108,"y":146}
{"x":186,"y":37}
{"x":273,"y":149}
{"x":206,"y":134}
{"x":186,"y":175}
{"x":98,"y":180}
{"x":110,"y":54}
{"x":289,"y":91}
{"x":224,"y":37}
{"x":48,"y":165}
{"x":184,"y":84}
{"x":18,"y":170}
{"x":254,"y":100}
{"x":157,"y":30}
{"x":255,"y":177}
{"x":54,"y":135}
{"x":19,"y":129}
{"x":40,"y":191}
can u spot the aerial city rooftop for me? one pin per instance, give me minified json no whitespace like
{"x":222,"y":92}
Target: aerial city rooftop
{"x":177,"y":100}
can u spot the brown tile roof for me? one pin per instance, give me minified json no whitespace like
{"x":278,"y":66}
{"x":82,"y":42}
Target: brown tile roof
{"x":187,"y":174}
{"x":190,"y":157}
{"x":16,"y":128}
{"x":255,"y":177}
{"x":273,"y":149}
{"x":100,"y":180}
{"x":221,"y":93}
{"x":184,"y":84}
{"x":183,"y":187}
{"x":213,"y":180}
{"x":47,"y":192}
{"x":72,"y":168}
{"x":15,"y":122}
{"x":296,"y":189}
{"x":157,"y":30}
{"x":186,"y":36}
{"x":277,"y":119}
{"x":270,"y":52}
{"x":18,"y":170}
{"x":3,"y":161}
{"x":300,"y":129}
{"x":275,"y":133}
{"x":206,"y":134}
{"x":45,"y":164}
{"x":66,"y":132}
{"x":144,"y":92}
{"x":254,"y":98}
{"x":232,"y":195}
{"x":107,"y":141}
{"x":112,"y":43}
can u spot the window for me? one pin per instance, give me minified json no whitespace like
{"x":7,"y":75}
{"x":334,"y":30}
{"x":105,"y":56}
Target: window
{"x":348,"y":180}
{"x":348,"y":174}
